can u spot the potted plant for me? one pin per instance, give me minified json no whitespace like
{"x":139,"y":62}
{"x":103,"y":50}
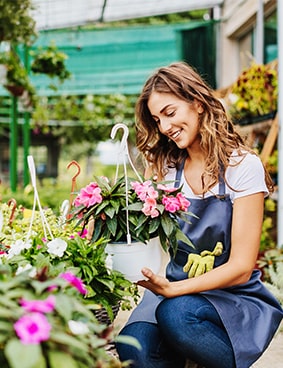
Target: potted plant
{"x":50,"y":61}
{"x":59,"y":248}
{"x":16,"y":80}
{"x":134,"y":217}
{"x":17,"y":25}
{"x":45,"y":324}
{"x":254,"y":95}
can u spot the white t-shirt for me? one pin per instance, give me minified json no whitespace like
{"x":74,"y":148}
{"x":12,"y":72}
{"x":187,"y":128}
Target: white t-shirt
{"x":247,"y":178}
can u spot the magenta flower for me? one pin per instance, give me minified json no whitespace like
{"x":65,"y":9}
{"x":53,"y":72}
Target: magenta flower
{"x":89,"y":195}
{"x":83,"y":233}
{"x":184,"y":202}
{"x":33,"y":328}
{"x":41,"y":306}
{"x":171,"y":204}
{"x":75,"y":281}
{"x":149,"y":208}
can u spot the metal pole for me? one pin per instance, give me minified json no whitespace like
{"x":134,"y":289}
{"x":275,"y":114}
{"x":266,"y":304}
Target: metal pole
{"x":280,"y":133}
{"x":259,"y":46}
{"x":14,"y":144}
{"x":26,"y":128}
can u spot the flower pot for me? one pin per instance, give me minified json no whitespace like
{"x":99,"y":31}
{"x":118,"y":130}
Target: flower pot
{"x":129,"y":259}
{"x":15,"y":90}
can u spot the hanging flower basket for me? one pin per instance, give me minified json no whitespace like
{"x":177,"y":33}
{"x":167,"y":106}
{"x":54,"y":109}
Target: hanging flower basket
{"x":254,"y":95}
{"x":51,"y":62}
{"x":128,"y":211}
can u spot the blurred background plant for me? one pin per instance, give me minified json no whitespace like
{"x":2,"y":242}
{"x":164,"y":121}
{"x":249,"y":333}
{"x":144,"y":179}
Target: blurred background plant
{"x":255,"y":92}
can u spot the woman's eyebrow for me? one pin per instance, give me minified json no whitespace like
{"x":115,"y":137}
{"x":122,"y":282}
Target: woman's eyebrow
{"x":164,"y":108}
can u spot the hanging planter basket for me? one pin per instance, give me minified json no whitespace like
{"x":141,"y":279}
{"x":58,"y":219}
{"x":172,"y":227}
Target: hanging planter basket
{"x":50,"y":62}
{"x":15,"y":90}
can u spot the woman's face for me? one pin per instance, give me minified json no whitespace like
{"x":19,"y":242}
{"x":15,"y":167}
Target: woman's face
{"x":176,"y":118}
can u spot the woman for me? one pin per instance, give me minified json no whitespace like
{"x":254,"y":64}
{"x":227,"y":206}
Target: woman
{"x":221,"y":317}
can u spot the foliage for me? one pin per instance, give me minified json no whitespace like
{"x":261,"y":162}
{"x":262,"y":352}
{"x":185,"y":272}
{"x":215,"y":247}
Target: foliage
{"x":17,"y":25}
{"x":49,"y":243}
{"x":83,"y":118}
{"x":45,"y":324}
{"x":142,"y":210}
{"x":255,"y":92}
{"x":17,"y":76}
{"x":24,"y":197}
{"x":272,"y":265}
{"x":50,"y":61}
{"x":158,"y":19}
{"x":266,"y":239}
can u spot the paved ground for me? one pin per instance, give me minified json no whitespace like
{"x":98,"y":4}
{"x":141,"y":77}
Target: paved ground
{"x":272,"y":357}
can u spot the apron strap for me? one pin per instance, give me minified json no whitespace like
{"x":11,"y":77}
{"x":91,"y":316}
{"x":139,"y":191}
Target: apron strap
{"x":222,"y":187}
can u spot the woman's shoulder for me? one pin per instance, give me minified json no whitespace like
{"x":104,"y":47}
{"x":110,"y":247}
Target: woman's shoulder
{"x":245,"y":174}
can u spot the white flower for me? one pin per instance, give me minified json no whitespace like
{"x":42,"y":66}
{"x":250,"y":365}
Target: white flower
{"x":27,"y":267}
{"x":109,"y":262}
{"x":18,"y":246}
{"x":57,"y":247}
{"x":78,"y":328}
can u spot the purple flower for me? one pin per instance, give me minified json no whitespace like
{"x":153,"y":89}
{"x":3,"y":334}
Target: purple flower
{"x":42,"y":306}
{"x":75,"y":281}
{"x":33,"y":328}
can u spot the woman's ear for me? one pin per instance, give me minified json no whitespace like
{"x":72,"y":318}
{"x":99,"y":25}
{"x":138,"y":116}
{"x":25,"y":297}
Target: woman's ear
{"x":199,"y":107}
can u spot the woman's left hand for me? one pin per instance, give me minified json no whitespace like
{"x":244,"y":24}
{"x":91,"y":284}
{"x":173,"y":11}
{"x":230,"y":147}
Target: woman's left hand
{"x":155,"y":283}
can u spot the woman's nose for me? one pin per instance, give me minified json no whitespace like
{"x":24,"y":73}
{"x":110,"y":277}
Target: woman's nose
{"x":165,"y":124}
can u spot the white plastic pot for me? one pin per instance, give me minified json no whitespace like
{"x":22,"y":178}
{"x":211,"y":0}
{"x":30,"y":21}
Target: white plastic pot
{"x":129,"y":259}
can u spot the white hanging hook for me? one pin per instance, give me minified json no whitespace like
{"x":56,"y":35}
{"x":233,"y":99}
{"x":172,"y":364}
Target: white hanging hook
{"x":124,"y":145}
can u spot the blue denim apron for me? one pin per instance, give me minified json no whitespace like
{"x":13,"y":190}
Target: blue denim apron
{"x":249,"y":312}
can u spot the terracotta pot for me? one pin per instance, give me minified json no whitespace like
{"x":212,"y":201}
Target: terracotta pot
{"x":129,"y":259}
{"x":15,"y":90}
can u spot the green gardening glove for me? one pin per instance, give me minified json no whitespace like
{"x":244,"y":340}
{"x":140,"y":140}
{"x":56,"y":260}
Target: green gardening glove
{"x":198,"y":264}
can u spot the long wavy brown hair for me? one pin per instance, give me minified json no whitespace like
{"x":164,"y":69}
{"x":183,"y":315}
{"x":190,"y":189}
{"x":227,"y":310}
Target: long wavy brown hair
{"x":218,"y":137}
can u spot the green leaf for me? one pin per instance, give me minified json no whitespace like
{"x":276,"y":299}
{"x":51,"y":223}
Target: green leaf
{"x":181,"y":236}
{"x":24,"y":356}
{"x":63,"y":306}
{"x":68,"y":340}
{"x":135,"y":207}
{"x":7,"y":313}
{"x":167,"y":225}
{"x":110,"y":211}
{"x":112,"y":225}
{"x":58,"y":359}
{"x":128,"y":340}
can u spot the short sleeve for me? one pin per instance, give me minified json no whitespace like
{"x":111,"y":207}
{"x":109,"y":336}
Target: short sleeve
{"x":245,"y":176}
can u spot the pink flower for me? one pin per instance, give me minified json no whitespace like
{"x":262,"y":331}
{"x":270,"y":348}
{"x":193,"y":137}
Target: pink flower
{"x":144,"y":190}
{"x":149,"y":208}
{"x":75,"y":281}
{"x":171,"y":204}
{"x":42,"y":306}
{"x":33,"y":328}
{"x":184,"y":203}
{"x":165,"y":188}
{"x":89,"y":195}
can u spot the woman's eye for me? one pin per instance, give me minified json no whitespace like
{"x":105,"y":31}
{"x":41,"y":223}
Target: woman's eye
{"x":171,"y":113}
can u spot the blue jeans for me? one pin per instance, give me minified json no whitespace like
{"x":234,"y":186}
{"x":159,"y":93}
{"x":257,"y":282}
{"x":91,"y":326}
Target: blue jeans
{"x":188,"y":327}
